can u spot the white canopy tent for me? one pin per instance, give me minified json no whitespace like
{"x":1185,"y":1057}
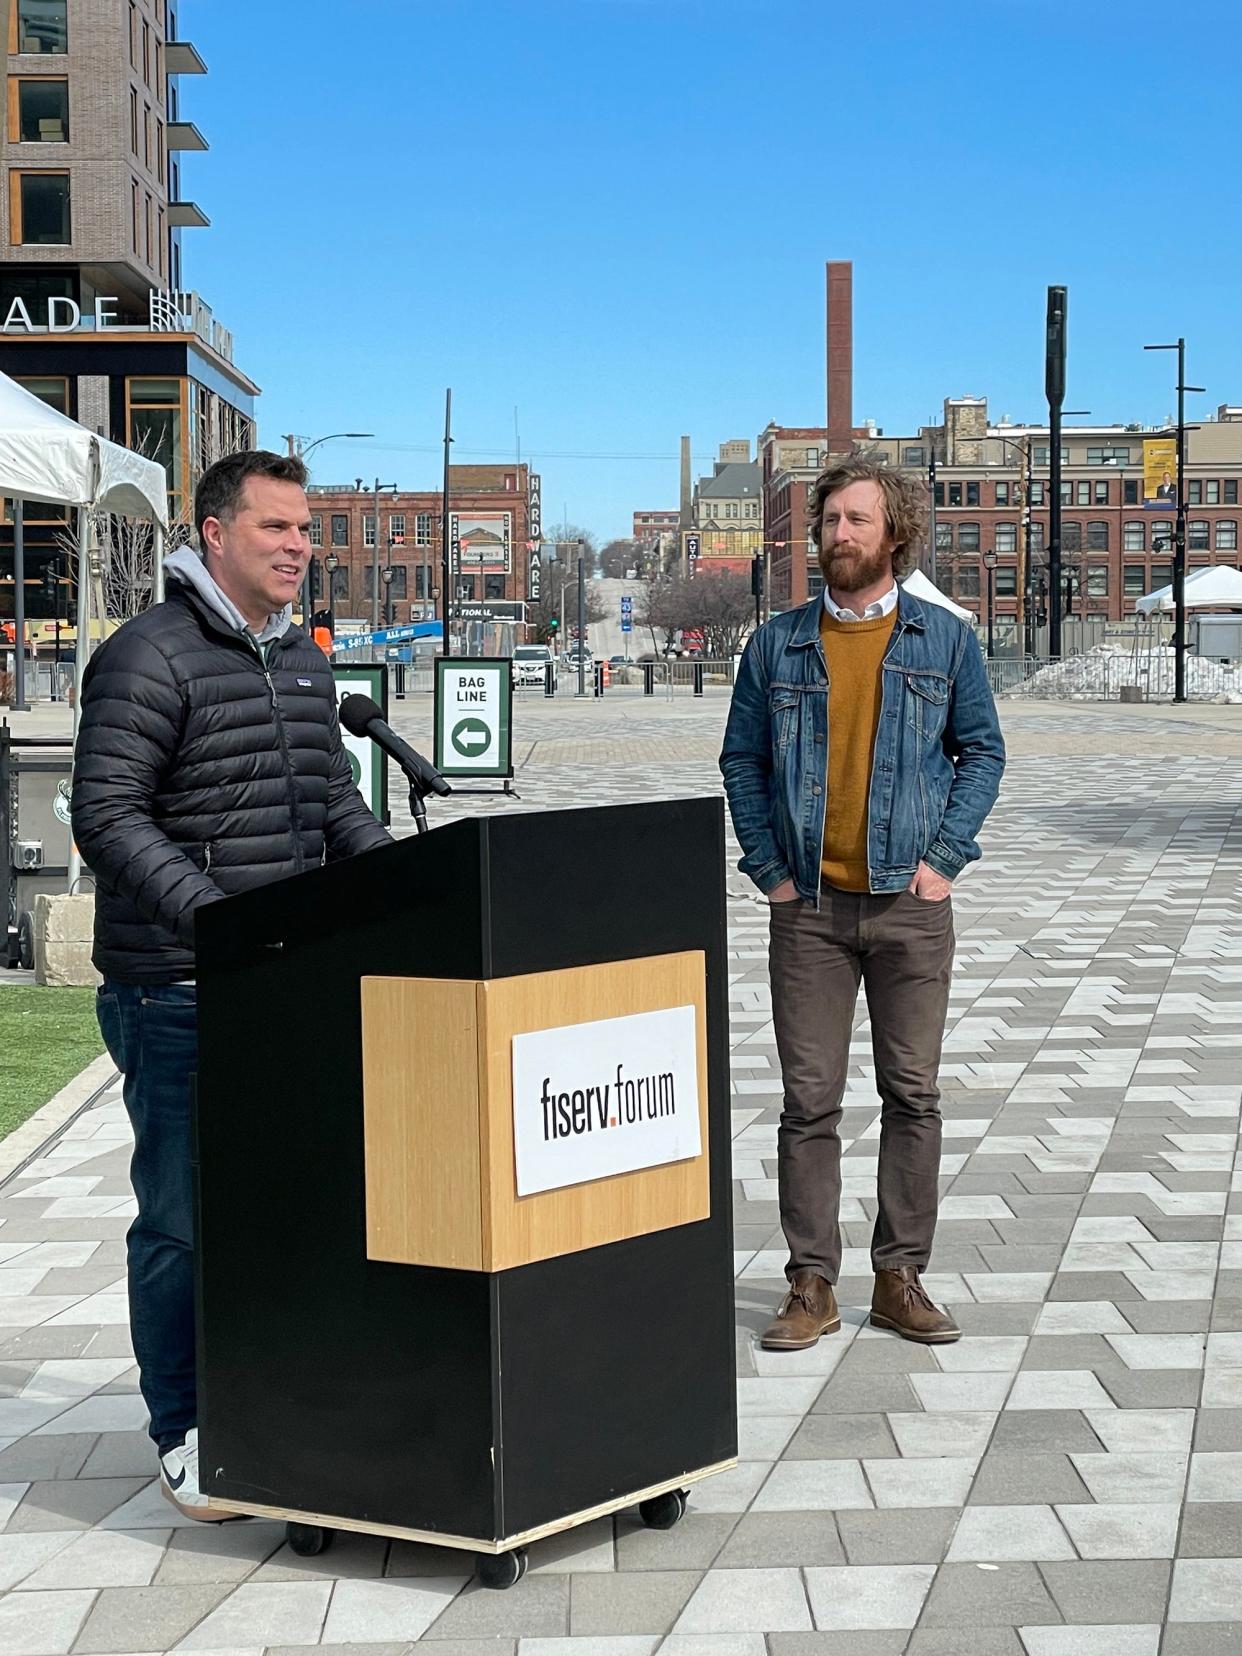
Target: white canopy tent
{"x":1217,"y":587}
{"x":918,"y":586}
{"x":44,"y":455}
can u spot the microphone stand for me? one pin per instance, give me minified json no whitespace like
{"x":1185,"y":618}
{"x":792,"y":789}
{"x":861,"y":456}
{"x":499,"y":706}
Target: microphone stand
{"x":417,"y":808}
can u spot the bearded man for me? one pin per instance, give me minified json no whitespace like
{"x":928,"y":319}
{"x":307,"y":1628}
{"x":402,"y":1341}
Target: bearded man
{"x":861,"y":758}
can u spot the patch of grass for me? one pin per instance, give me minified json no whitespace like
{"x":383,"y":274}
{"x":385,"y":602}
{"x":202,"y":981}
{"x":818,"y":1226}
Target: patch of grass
{"x":46,"y":1037}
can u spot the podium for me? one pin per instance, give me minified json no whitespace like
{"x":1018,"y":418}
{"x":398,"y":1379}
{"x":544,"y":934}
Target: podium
{"x":423,"y":1309}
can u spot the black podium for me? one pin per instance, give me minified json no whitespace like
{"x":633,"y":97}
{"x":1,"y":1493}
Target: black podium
{"x":478,"y":1408}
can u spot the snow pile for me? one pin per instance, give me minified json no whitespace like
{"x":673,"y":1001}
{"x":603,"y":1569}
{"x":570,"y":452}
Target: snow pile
{"x":1100,"y":674}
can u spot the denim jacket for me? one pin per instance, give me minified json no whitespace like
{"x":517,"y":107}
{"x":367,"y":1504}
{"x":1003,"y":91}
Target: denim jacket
{"x":937,"y":763}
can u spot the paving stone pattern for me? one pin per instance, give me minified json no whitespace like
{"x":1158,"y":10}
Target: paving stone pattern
{"x":1067,"y":1479}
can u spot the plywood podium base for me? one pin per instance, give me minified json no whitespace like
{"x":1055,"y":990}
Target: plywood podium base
{"x":468,"y":1543}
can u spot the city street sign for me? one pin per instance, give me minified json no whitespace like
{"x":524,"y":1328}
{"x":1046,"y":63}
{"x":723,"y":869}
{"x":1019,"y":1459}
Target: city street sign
{"x":473,"y":716}
{"x":502,"y":609}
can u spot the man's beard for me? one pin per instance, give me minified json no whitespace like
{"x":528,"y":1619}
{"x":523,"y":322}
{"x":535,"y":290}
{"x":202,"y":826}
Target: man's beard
{"x":853,"y":571}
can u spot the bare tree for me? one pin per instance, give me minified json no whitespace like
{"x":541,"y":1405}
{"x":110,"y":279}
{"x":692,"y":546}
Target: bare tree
{"x":660,"y":607}
{"x":567,"y":539}
{"x":722,"y":608}
{"x":558,"y":596}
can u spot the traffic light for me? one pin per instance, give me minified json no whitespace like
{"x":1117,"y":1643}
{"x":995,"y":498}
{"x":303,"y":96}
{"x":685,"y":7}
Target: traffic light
{"x":756,"y":576}
{"x":553,"y":624}
{"x":51,"y":581}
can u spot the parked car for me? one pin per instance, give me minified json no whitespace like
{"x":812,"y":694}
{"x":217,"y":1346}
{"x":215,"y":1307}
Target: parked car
{"x":530,"y":663}
{"x":571,"y":660}
{"x":619,"y":661}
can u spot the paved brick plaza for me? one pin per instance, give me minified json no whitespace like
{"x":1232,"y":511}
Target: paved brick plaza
{"x":1067,"y":1479}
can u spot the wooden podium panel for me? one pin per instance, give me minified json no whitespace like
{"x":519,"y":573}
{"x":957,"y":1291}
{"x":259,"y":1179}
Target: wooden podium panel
{"x":441,"y":1185}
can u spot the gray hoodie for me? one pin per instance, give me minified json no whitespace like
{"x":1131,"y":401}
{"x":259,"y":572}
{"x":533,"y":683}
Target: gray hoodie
{"x":187,"y":565}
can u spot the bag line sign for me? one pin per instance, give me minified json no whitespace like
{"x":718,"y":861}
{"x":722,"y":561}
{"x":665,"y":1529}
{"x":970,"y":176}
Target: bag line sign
{"x":474,"y":716}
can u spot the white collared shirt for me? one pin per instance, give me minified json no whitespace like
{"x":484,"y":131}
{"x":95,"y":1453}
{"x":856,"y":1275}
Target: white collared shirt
{"x":873,"y":612}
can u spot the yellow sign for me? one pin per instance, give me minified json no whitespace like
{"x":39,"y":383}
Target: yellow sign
{"x":1160,"y":473}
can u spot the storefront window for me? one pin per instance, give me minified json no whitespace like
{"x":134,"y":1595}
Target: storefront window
{"x":155,"y":430}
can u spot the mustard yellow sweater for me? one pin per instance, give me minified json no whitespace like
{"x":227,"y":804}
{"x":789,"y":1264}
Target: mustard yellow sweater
{"x":854,"y":651}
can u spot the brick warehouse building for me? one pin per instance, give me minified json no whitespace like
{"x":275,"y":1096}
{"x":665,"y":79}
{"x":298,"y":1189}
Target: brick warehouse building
{"x":93,"y":316}
{"x":1112,"y":547}
{"x":490,"y":510}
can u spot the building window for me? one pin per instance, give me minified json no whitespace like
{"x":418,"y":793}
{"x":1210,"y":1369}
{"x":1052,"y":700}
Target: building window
{"x":1231,"y":491}
{"x":340,"y":584}
{"x":1227,"y":535}
{"x":316,"y":529}
{"x":944,"y":537}
{"x":150,"y":205}
{"x":396,"y":528}
{"x":1162,"y":537}
{"x":1006,"y":537}
{"x":913,"y":457}
{"x":340,"y":528}
{"x":814,"y":581}
{"x":493,"y":586}
{"x":155,"y":428}
{"x":146,"y":136}
{"x":1097,"y":581}
{"x":1161,"y":575}
{"x":1006,"y":581}
{"x":968,"y":537}
{"x":1100,"y":492}
{"x":40,"y":112}
{"x":133,"y":120}
{"x":49,"y":388}
{"x":1135,"y":580}
{"x":1002,"y":494}
{"x":159,"y":240}
{"x":1108,"y":456}
{"x":1071,"y":537}
{"x":146,"y":51}
{"x":1129,"y":491}
{"x":133,"y":35}
{"x":939,"y":494}
{"x":1134,"y":537}
{"x":368,"y":531}
{"x":42,"y":26}
{"x":397,"y":586}
{"x":39,"y":209}
{"x":1197,"y":535}
{"x":134,"y":192}
{"x":972,"y":494}
{"x":1097,"y":537}
{"x":422,"y":529}
{"x":1211,"y":491}
{"x":1037,"y":537}
{"x":1042,"y":453}
{"x":955,"y":494}
{"x":967,"y":584}
{"x":1084,"y":494}
{"x":812,"y":457}
{"x":159,"y":149}
{"x":1194,"y":491}
{"x":1037,"y":492}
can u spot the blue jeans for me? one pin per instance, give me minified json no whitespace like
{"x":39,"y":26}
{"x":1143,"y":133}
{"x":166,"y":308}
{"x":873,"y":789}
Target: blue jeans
{"x":151,"y":1033}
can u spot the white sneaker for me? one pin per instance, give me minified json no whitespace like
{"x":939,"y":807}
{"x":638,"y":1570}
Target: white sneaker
{"x":179,"y":1482}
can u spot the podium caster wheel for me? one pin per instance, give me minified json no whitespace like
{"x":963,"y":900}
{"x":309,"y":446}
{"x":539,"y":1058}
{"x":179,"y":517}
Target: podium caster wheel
{"x":500,"y":1570}
{"x":307,"y":1540}
{"x":663,"y":1511}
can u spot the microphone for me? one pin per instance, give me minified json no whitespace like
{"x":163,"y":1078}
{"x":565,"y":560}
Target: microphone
{"x":363,"y":717}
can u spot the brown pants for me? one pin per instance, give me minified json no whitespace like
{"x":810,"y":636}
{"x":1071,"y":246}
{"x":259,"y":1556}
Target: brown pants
{"x":901,"y":947}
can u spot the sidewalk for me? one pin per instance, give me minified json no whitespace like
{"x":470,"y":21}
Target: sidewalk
{"x":1067,"y":1479}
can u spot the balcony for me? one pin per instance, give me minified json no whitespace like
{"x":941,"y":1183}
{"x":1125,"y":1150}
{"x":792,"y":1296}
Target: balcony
{"x":184,"y":135}
{"x":180,"y":58}
{"x":187,"y":215}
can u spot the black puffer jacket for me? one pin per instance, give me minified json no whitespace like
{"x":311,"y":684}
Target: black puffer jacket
{"x":201,"y":771}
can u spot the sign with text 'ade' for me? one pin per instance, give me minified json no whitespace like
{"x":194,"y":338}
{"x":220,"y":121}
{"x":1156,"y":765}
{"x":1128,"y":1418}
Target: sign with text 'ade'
{"x":594,"y":1099}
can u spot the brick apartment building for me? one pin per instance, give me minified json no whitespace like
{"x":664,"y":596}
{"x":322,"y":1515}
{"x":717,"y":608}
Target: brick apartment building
{"x":93,"y":315}
{"x":491,"y":537}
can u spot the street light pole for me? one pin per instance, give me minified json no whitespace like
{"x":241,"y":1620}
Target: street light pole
{"x":1179,"y":531}
{"x":298,"y":451}
{"x":331,"y":564}
{"x":375,"y":557}
{"x":1054,"y":385}
{"x":581,"y":622}
{"x":989,"y":563}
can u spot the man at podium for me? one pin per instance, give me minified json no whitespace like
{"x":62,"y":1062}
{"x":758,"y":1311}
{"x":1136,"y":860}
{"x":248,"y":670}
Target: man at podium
{"x":208,"y":760}
{"x":862,"y":755}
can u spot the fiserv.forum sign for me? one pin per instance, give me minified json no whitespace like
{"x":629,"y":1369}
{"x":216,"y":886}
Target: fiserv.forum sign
{"x":612,"y":1096}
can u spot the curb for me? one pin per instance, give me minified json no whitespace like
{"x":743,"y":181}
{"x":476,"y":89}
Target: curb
{"x":24,"y":1143}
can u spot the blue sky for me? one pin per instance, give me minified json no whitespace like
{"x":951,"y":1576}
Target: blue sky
{"x":613,"y":215}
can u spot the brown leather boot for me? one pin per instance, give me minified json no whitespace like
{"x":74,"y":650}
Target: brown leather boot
{"x":808,"y":1310}
{"x":900,"y":1302}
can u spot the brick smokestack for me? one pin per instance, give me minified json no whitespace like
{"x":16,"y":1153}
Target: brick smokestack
{"x":685,"y":502}
{"x":840,"y":354}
